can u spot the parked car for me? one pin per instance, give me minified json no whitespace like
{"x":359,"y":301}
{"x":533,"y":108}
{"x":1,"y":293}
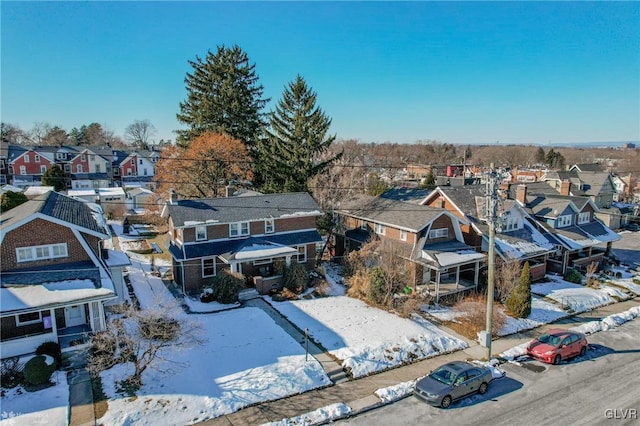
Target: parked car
{"x":633,"y":227}
{"x":451,"y":382}
{"x":556,"y":345}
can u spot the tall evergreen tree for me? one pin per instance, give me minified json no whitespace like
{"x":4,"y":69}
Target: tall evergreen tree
{"x":223,"y":96}
{"x":519,"y":300}
{"x":296,"y":142}
{"x":54,"y":176}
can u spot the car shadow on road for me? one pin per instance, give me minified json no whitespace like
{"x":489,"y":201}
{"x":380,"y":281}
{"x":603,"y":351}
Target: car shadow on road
{"x":497,"y":388}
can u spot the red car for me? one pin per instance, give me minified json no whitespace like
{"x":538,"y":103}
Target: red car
{"x":556,"y":345}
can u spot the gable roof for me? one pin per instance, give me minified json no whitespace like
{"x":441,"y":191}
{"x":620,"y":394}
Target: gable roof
{"x":390,"y":212}
{"x":57,"y":207}
{"x":241,"y":209}
{"x":588,"y":167}
{"x":463,"y":197}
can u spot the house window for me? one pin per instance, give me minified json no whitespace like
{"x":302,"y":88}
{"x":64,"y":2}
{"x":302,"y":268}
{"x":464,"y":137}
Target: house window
{"x":26,"y":158}
{"x":584,"y":217}
{"x":302,"y":254}
{"x":403,"y":235}
{"x":238,"y":229}
{"x":439,"y":233}
{"x":116,"y":172}
{"x":141,"y":161}
{"x":61,"y":156}
{"x":564,"y":221}
{"x":364,"y":225}
{"x":37,"y":158}
{"x":23,"y":170}
{"x":511,"y":223}
{"x":201,"y":233}
{"x":43,"y":169}
{"x":129,"y":172}
{"x":133,"y":162}
{"x":29,"y":318}
{"x":97,"y":168}
{"x":92,"y":157}
{"x":51,"y":251}
{"x":67,"y":168}
{"x":83,"y":157}
{"x":208,"y":267}
{"x":379,"y":229}
{"x":268,"y":226}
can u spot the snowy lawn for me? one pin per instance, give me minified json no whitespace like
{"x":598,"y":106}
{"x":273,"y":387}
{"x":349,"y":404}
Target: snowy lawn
{"x":48,"y":406}
{"x":577,"y":297}
{"x":245,"y":358}
{"x":367,"y":339}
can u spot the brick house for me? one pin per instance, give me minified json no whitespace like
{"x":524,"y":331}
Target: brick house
{"x":56,"y":274}
{"x":249,"y":235}
{"x":429,"y":240}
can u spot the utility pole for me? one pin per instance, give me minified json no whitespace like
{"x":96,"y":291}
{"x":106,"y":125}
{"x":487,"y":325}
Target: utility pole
{"x":491,"y":214}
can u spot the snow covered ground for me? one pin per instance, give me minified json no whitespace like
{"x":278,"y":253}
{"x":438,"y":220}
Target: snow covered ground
{"x":246,"y":358}
{"x":366,"y":339}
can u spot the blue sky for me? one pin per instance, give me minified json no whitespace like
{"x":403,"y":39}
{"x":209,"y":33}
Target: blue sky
{"x":477,"y":72}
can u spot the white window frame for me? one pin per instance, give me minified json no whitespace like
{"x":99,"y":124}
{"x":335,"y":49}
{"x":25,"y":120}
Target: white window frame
{"x":61,"y":156}
{"x":564,"y":221}
{"x":439,"y":233}
{"x":584,"y":217}
{"x":238,"y":229}
{"x":26,"y":158}
{"x":511,"y":224}
{"x":269,"y":226}
{"x":79,"y":168}
{"x":33,"y":253}
{"x":213,"y":259}
{"x":83,"y":157}
{"x":97,"y":167}
{"x":379,"y":229}
{"x":403,"y":235}
{"x":43,"y":169}
{"x":36,"y":158}
{"x":34,"y":321}
{"x":23,"y":170}
{"x":201,"y":233}
{"x":302,"y":254}
{"x":364,"y":225}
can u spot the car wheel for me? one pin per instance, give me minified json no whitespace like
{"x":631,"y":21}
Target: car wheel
{"x":557,"y":359}
{"x":583,"y":350}
{"x":446,"y":402}
{"x":483,"y":388}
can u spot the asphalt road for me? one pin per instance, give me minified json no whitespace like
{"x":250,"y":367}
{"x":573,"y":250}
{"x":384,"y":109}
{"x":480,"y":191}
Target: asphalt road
{"x":627,"y":249}
{"x":603,"y":387}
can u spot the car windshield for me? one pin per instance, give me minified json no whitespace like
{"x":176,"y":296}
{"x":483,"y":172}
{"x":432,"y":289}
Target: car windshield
{"x":442,"y":375}
{"x":549,"y":339}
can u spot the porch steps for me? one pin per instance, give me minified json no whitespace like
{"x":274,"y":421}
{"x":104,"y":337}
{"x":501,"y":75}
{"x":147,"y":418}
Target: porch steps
{"x":248,"y":294}
{"x":337,"y":376}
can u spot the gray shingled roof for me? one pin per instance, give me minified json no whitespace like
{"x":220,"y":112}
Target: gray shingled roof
{"x":59,"y":207}
{"x":391,"y":212}
{"x":407,"y":195}
{"x":465,"y":197}
{"x":240,"y":209}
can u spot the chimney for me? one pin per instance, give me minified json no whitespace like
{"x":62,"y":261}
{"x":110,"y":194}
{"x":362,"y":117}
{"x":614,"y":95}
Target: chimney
{"x":521,"y":194}
{"x":173,"y":196}
{"x":565,"y":187}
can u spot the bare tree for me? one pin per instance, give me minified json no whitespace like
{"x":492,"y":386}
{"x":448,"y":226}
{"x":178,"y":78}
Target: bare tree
{"x":39,"y":131}
{"x":141,"y":337}
{"x":139,"y":133}
{"x":507,"y":278}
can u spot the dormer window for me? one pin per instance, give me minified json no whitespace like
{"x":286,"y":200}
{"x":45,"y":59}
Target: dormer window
{"x":439,"y":233}
{"x":511,"y":223}
{"x":269,"y":226}
{"x":238,"y":229}
{"x":584,"y":217}
{"x":564,"y":221}
{"x":201,"y":233}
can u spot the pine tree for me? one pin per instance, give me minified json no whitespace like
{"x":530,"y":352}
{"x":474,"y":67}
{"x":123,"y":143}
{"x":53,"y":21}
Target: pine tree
{"x":55,"y":177}
{"x":540,"y":155}
{"x":292,"y":151}
{"x":519,"y":300}
{"x":223,"y":96}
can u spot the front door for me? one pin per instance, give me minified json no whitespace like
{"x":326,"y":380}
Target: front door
{"x":74,"y":315}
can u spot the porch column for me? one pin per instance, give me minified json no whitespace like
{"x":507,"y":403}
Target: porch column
{"x":475,"y":274}
{"x":234,"y":268}
{"x":54,"y":326}
{"x":287,"y":260}
{"x":457,"y":276}
{"x":437,"y":286}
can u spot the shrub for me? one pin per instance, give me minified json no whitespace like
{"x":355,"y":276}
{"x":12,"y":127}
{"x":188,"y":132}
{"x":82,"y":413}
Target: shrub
{"x":377,"y":288}
{"x":159,"y":328}
{"x":53,"y":349}
{"x":473,"y":316}
{"x":296,"y":278}
{"x":11,"y":372}
{"x":37,"y":371}
{"x":573,"y":276}
{"x":618,"y":274}
{"x":519,"y":300}
{"x":226,"y":287}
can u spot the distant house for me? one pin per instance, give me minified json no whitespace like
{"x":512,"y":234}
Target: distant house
{"x":428,"y":240}
{"x":248,"y":235}
{"x":56,"y":273}
{"x":26,"y":165}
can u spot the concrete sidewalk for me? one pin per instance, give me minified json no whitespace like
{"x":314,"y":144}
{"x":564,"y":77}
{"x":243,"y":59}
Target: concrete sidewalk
{"x":359,"y":394}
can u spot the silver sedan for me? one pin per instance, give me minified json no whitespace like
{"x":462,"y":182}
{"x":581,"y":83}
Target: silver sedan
{"x":451,"y":382}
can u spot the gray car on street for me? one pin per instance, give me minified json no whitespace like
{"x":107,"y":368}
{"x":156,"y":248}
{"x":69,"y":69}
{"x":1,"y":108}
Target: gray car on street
{"x":453,"y":381}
